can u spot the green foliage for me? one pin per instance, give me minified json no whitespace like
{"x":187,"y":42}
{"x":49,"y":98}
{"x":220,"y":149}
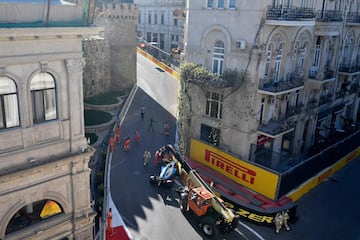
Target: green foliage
{"x":105,"y":98}
{"x":100,"y":200}
{"x":99,"y":177}
{"x":200,"y":75}
{"x":100,"y":189}
{"x":95,"y":117}
{"x":234,"y":77}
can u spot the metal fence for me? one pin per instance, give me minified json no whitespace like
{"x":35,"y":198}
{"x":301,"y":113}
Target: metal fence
{"x":309,"y":168}
{"x":162,"y":56}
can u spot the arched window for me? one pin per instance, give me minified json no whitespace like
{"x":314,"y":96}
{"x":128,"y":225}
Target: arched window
{"x":267,"y":60}
{"x":218,"y":58}
{"x":9,"y":109}
{"x":43,"y":97}
{"x":278,"y":62}
{"x":33,"y":213}
{"x":302,"y":57}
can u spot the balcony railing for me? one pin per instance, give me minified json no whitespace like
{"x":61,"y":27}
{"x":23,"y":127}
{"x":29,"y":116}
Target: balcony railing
{"x":276,"y":127}
{"x":327,"y":74}
{"x":329,"y":16}
{"x":293,"y":81}
{"x":325,"y":99}
{"x":347,"y":68}
{"x":353,"y":17}
{"x":289,"y":13}
{"x":293,"y":110}
{"x":313,"y":103}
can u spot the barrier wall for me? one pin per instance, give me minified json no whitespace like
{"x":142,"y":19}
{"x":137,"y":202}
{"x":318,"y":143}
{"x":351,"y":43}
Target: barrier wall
{"x":240,"y":171}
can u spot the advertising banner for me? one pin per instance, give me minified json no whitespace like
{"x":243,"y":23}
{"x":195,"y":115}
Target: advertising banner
{"x":240,"y":171}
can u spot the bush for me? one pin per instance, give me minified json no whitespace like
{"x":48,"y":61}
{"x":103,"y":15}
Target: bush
{"x":95,"y":117}
{"x":100,"y":189}
{"x":105,"y":98}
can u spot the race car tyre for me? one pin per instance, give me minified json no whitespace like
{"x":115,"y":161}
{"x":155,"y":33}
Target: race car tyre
{"x":169,"y":183}
{"x":183,"y":202}
{"x":152,"y":179}
{"x":209,"y":228}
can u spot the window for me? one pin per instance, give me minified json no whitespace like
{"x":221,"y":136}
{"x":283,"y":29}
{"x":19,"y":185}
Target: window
{"x":220,"y":3}
{"x":43,"y":97}
{"x":232,"y":4}
{"x":162,"y":41}
{"x":210,"y":134}
{"x":154,"y":37}
{"x":218,"y":58}
{"x":267,"y":61}
{"x":316,"y":62}
{"x":162,"y":18}
{"x":148,"y":37}
{"x":149,"y":18}
{"x":9,"y":110}
{"x":175,"y":22}
{"x":214,"y":104}
{"x":155,"y":18}
{"x":210,"y":3}
{"x":278,"y":62}
{"x":34,"y":213}
{"x":302,"y":57}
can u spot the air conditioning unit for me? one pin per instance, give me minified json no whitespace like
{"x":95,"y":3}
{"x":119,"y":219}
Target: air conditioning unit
{"x":240,"y":44}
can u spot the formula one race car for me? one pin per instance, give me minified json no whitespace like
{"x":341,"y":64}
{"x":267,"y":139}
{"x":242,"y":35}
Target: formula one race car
{"x":167,"y":174}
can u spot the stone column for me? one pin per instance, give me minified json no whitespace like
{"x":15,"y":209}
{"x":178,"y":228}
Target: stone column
{"x":75,"y":103}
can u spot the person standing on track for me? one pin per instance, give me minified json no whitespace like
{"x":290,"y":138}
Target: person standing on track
{"x":109,"y":220}
{"x":142,"y":112}
{"x":127,"y":144}
{"x":166,"y":128}
{"x":112,"y":143}
{"x":117,"y":133}
{"x":146,"y":157}
{"x":137,"y":136}
{"x":151,"y":124}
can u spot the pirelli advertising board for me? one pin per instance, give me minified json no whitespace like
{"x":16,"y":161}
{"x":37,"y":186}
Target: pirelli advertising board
{"x":242,"y":172}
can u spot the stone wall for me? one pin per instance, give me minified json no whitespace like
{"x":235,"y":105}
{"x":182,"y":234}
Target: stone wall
{"x":111,"y":61}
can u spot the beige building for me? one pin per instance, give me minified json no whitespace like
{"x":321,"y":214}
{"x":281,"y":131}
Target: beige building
{"x":302,"y":90}
{"x":44,"y":173}
{"x":161,"y":22}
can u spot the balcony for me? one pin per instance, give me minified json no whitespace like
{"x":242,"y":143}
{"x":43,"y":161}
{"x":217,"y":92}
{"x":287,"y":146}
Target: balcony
{"x":312,"y":104}
{"x":318,"y":79}
{"x":269,"y":86}
{"x":275,"y":128}
{"x":347,"y":69}
{"x":325,"y":99}
{"x":329,"y":16}
{"x":294,"y":110}
{"x":290,"y":16}
{"x":353,"y":18}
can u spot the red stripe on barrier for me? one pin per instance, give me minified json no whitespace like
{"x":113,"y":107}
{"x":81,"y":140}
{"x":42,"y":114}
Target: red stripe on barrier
{"x":117,"y":233}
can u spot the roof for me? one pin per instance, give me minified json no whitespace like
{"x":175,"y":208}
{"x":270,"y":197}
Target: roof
{"x":52,"y":2}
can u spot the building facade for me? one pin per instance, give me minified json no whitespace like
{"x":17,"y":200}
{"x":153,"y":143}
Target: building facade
{"x":161,"y":22}
{"x":44,"y":173}
{"x":302,"y":87}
